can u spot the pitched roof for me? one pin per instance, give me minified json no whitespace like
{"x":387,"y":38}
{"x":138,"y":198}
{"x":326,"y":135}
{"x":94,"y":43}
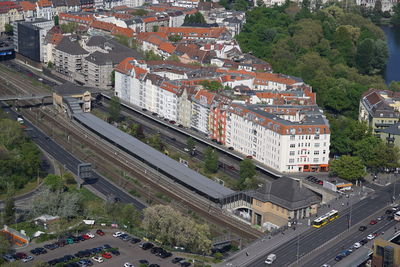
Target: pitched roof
{"x":167,"y":47}
{"x":44,"y":3}
{"x":69,"y":47}
{"x":6,"y":6}
{"x":123,"y":31}
{"x":262,"y":78}
{"x":78,"y":18}
{"x":125,"y":66}
{"x":26,"y":5}
{"x":204,"y":94}
{"x":287,"y":193}
{"x":101,"y":25}
{"x":190,"y":32}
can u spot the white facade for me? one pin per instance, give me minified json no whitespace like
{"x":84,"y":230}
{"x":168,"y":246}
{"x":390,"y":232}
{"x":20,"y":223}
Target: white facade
{"x":167,"y":104}
{"x":200,"y":117}
{"x":133,"y":3}
{"x":282,"y":152}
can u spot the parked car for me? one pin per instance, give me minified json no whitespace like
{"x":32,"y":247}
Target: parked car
{"x":185,"y":264}
{"x":357,"y":245}
{"x":154,"y":265}
{"x":115,"y":252}
{"x":86,"y":237}
{"x":373,"y":222}
{"x":370,"y":236}
{"x":146,"y":246}
{"x":99,"y":232}
{"x":97,"y":259}
{"x":106,"y":246}
{"x":20,"y":255}
{"x":90,"y":235}
{"x":363,"y":241}
{"x":117,"y":234}
{"x":135,"y":240}
{"x":9,"y":258}
{"x":146,"y":262}
{"x":106,"y":255}
{"x":28,"y":258}
{"x":177,"y":260}
{"x":128,"y":264}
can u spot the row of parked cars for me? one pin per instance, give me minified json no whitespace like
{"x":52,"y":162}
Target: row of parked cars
{"x":314,"y":180}
{"x":97,"y":254}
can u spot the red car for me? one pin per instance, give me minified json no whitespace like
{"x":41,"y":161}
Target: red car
{"x":375,"y":234}
{"x":100,"y":232}
{"x":373,"y":222}
{"x":20,"y":255}
{"x":106,"y":255}
{"x":86,"y":237}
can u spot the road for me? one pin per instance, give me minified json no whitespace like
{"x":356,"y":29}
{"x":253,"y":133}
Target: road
{"x":314,"y":238}
{"x":71,"y":163}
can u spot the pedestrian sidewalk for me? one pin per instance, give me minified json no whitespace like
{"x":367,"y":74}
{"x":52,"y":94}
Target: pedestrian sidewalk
{"x":270,"y":241}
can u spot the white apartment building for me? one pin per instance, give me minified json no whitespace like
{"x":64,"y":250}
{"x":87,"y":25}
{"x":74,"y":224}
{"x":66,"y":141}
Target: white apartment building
{"x":283,"y":145}
{"x":201,"y":103}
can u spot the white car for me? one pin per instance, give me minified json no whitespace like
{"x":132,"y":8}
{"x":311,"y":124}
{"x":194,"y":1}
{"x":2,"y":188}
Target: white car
{"x":98,"y":259}
{"x":325,"y":265}
{"x":357,"y":245}
{"x":117,"y":234}
{"x":29,"y":258}
{"x":127,"y":264}
{"x":90,"y":235}
{"x":370,"y":237}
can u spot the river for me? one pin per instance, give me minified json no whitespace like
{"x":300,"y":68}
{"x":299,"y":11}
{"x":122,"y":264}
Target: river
{"x":392,"y":71}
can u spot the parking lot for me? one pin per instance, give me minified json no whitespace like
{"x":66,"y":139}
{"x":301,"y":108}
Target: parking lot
{"x":131,"y":253}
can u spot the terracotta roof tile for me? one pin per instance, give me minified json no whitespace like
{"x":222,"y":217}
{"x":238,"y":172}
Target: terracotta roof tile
{"x":6,"y":6}
{"x":26,"y":5}
{"x":44,"y":3}
{"x":101,"y":25}
{"x":167,"y":47}
{"x":123,"y":31}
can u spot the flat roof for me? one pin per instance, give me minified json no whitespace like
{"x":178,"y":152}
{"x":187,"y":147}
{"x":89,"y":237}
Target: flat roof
{"x":166,"y":164}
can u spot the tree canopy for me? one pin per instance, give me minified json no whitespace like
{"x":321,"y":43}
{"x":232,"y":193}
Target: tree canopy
{"x":114,"y":109}
{"x":172,"y":228}
{"x":210,"y":160}
{"x":348,"y":167}
{"x":330,"y":49}
{"x":196,"y":18}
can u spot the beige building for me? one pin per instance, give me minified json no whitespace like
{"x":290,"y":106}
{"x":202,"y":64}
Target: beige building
{"x":68,"y":56}
{"x":274,"y":204}
{"x":380,"y":110}
{"x":10,"y":12}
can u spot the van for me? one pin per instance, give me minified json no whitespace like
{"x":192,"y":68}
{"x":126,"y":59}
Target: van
{"x":270,"y":259}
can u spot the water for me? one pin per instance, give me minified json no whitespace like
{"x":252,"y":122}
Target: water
{"x":392,"y":71}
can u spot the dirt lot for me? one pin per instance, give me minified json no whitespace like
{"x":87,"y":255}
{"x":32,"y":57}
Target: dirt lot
{"x":129,"y":252}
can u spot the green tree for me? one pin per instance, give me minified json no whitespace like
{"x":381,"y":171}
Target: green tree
{"x":348,"y":167}
{"x":196,"y":18}
{"x":140,"y":12}
{"x":9,"y":210}
{"x":247,"y":169}
{"x":224,"y":3}
{"x":240,"y":5}
{"x":190,"y":143}
{"x":150,"y":55}
{"x":210,"y":160}
{"x":56,"y":20}
{"x":5,"y":246}
{"x":395,"y":20}
{"x":212,"y":85}
{"x":114,"y":109}
{"x":136,"y":130}
{"x":54,"y":182}
{"x":156,"y":142}
{"x":8,"y":29}
{"x":69,"y":27}
{"x":50,"y":65}
{"x":175,"y":38}
{"x":112,"y":78}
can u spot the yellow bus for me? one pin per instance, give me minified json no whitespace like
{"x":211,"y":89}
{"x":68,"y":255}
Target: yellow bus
{"x":326,"y":218}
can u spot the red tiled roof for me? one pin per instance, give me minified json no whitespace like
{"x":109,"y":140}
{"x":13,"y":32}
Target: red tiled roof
{"x":123,"y":31}
{"x":187,"y":32}
{"x":125,"y":66}
{"x":204,"y":93}
{"x":149,"y":19}
{"x":26,"y":5}
{"x":56,"y":38}
{"x":105,"y":26}
{"x":80,"y":19}
{"x":8,"y":5}
{"x":143,"y":36}
{"x":44,"y":3}
{"x":167,"y":47}
{"x":262,"y":78}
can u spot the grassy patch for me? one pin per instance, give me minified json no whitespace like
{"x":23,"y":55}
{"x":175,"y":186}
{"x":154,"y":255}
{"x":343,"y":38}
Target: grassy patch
{"x":134,"y":193}
{"x":29,"y":227}
{"x":162,"y":196}
{"x":27,"y":188}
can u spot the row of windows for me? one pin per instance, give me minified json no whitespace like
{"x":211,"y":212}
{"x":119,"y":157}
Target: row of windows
{"x":305,"y":159}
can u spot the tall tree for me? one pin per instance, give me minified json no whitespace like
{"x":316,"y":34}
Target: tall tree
{"x":114,"y":110}
{"x":190,"y":143}
{"x":56,"y":20}
{"x":9,"y":210}
{"x":348,"y":167}
{"x":5,"y":245}
{"x":8,"y":29}
{"x":395,"y":20}
{"x":210,"y":160}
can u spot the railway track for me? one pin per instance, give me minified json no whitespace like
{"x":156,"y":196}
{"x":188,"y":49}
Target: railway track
{"x":149,"y":176}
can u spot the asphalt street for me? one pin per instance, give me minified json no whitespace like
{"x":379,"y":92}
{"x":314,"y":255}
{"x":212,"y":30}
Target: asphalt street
{"x":71,"y":163}
{"x":314,"y":238}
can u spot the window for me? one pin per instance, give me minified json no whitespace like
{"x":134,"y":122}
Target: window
{"x":323,"y":151}
{"x":292,"y":145}
{"x":291,"y":153}
{"x":316,"y":152}
{"x":291,"y":160}
{"x":292,"y":137}
{"x":316,"y":144}
{"x":316,"y":160}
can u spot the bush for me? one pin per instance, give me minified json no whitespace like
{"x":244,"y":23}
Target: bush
{"x":45,"y":237}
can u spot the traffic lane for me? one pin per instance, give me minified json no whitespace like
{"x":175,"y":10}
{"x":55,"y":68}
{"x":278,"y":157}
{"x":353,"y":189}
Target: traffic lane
{"x":129,"y":252}
{"x":329,"y":255}
{"x":71,"y":163}
{"x":287,"y":253}
{"x":324,"y":234}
